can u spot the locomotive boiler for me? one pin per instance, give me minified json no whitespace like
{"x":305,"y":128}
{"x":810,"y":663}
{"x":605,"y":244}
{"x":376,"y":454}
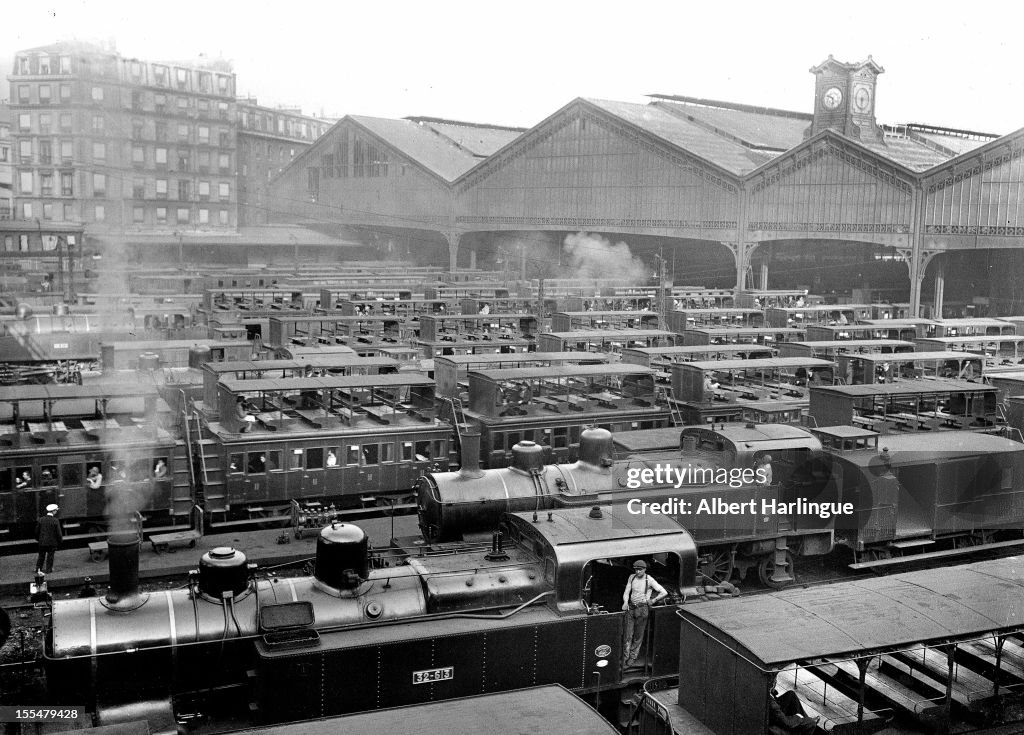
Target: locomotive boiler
{"x":433,"y":622}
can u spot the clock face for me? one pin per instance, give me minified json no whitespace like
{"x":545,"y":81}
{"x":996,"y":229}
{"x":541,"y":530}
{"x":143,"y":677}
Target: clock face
{"x":862,"y":99}
{"x":832,"y":98}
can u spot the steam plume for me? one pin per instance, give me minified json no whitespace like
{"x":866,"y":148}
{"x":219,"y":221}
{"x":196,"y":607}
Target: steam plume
{"x":593,"y":256}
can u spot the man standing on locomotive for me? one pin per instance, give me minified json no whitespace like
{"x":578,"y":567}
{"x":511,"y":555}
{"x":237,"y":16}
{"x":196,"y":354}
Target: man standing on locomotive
{"x":636,"y":599}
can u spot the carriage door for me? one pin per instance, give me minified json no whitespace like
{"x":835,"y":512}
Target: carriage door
{"x":389,"y":480}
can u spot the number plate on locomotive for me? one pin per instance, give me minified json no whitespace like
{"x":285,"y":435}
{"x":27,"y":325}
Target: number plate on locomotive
{"x":429,"y":676}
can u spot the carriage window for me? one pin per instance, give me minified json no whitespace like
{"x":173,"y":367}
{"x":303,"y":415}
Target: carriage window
{"x":6,"y":481}
{"x":25,"y":479}
{"x":574,"y":433}
{"x":234,"y":465}
{"x":545,"y":437}
{"x":513,"y":439}
{"x":139,"y":469}
{"x":314,"y":459}
{"x":274,"y":460}
{"x":48,"y":475}
{"x":352,"y":454}
{"x":332,"y":457}
{"x":407,"y":451}
{"x":439,"y":448}
{"x":371,"y":454}
{"x":562,"y":437}
{"x":295,"y":459}
{"x":387,"y":452}
{"x":257,"y":462}
{"x":423,"y":451}
{"x":160,"y":469}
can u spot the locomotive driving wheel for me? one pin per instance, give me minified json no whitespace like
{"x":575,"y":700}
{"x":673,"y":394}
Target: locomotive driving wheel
{"x":766,"y":571}
{"x":718,"y":566}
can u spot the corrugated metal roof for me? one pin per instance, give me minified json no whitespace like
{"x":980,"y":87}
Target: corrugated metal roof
{"x":908,"y":387}
{"x":684,"y":134}
{"x":874,"y":614}
{"x":910,"y":153}
{"x":433,"y":151}
{"x":954,"y":143}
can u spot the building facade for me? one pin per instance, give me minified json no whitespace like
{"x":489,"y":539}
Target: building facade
{"x":268,"y":140}
{"x":6,"y":172}
{"x":123,"y":145}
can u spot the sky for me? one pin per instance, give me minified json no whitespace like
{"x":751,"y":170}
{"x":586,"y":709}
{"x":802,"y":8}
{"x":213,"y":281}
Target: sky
{"x":516,"y":63}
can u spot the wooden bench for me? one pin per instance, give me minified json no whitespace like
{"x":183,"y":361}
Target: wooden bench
{"x":97,"y":551}
{"x":836,"y":711}
{"x":164,"y":541}
{"x":896,"y":694}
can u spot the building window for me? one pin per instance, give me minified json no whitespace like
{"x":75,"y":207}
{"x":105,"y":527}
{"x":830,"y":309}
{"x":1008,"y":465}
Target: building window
{"x":204,"y":106}
{"x":65,"y":64}
{"x":183,"y":161}
{"x":67,"y":183}
{"x":160,"y":75}
{"x":23,"y":65}
{"x":45,"y":94}
{"x":161,"y":156}
{"x":4,"y":154}
{"x":97,"y":124}
{"x":204,"y":190}
{"x":99,"y":151}
{"x":204,"y":161}
{"x":182,"y":216}
{"x":45,"y":150}
{"x":137,"y":128}
{"x":161,"y":188}
{"x":137,"y":100}
{"x":26,"y":212}
{"x":44,"y":64}
{"x":99,"y":185}
{"x":183,"y":132}
{"x":45,"y":123}
{"x":69,"y":210}
{"x":222,"y":84}
{"x":25,"y":151}
{"x":223,"y":216}
{"x":224,"y":190}
{"x":65,"y":93}
{"x":67,"y":150}
{"x":138,"y":215}
{"x":97,"y":94}
{"x":100,"y":213}
{"x":46,"y":183}
{"x":224,"y":139}
{"x":204,"y":134}
{"x":222,"y":110}
{"x":24,"y":95}
{"x":204,"y":82}
{"x":25,"y":181}
{"x":65,"y":122}
{"x":183,"y":103}
{"x":182,"y":77}
{"x":139,"y":188}
{"x":312,"y":182}
{"x":138,"y":154}
{"x":161,"y":215}
{"x":47,"y":210}
{"x":224,"y":162}
{"x":161,"y":132}
{"x":136,"y":69}
{"x":24,"y":122}
{"x":160,"y":102}
{"x":184,"y":190}
{"x":204,"y":216}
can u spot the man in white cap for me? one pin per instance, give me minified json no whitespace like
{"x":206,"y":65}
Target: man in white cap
{"x":636,"y":599}
{"x":49,"y":534}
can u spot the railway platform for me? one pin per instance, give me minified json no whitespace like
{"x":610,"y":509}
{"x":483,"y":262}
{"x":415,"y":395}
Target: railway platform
{"x":263,"y":547}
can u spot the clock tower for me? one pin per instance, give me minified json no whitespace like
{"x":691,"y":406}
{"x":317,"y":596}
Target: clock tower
{"x":844,"y":99}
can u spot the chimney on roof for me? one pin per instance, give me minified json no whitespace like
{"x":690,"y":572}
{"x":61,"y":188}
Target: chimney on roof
{"x":844,"y":99}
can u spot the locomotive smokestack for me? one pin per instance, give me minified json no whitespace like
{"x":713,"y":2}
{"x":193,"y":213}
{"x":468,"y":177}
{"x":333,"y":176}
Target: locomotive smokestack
{"x":123,"y":557}
{"x":470,"y":453}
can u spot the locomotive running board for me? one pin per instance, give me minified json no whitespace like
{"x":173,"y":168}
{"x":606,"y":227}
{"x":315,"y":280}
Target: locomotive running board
{"x":912,"y":558}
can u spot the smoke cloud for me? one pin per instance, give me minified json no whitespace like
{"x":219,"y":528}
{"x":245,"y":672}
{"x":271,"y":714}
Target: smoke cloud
{"x":589,"y":256}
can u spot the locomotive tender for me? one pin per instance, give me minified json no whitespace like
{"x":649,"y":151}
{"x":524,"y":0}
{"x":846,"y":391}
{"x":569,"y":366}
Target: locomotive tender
{"x":441,"y":622}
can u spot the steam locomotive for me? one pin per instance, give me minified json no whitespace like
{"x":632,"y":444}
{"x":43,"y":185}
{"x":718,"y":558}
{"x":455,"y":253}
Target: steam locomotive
{"x":421,"y":623}
{"x":830,"y":487}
